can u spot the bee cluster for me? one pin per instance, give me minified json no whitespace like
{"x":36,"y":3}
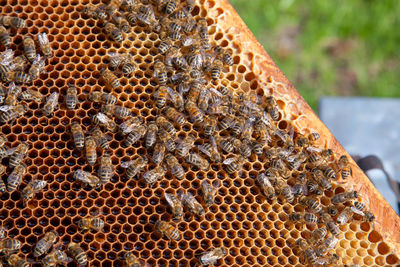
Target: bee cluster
{"x":227,"y":128}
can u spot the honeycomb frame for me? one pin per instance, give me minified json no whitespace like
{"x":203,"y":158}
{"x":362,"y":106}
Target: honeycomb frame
{"x":255,"y":231}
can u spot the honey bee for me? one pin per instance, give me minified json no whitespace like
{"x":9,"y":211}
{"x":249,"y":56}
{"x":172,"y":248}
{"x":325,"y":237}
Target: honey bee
{"x":45,"y":45}
{"x":209,"y":191}
{"x":238,"y":125}
{"x":272,"y":108}
{"x":115,"y":110}
{"x":122,"y":23}
{"x":90,"y":147}
{"x":332,"y":210}
{"x":174,"y":115}
{"x":18,"y":155}
{"x":343,"y":197}
{"x":102,"y":120}
{"x":345,"y":169}
{"x":130,"y":125}
{"x":114,"y":32}
{"x":45,"y":243}
{"x":162,"y":122}
{"x":266,"y":186}
{"x":77,"y":253}
{"x":330,"y":224}
{"x":135,"y":135}
{"x":359,"y":208}
{"x":344,"y":216}
{"x":55,"y":257}
{"x":18,"y":76}
{"x":311,"y":203}
{"x":284,"y":190}
{"x":175,"y":167}
{"x":167,"y":230}
{"x":105,"y":171}
{"x":226,"y":144}
{"x":13,"y":22}
{"x":98,"y":12}
{"x":176,"y":98}
{"x":133,"y":167}
{"x":158,"y":153}
{"x":132,"y":261}
{"x":170,"y":7}
{"x":36,"y":68}
{"x":191,"y":203}
{"x":161,"y":96}
{"x":13,"y":92}
{"x":103,"y":98}
{"x":328,"y":172}
{"x":204,"y":98}
{"x":198,"y":161}
{"x":51,"y":104}
{"x":19,"y":63}
{"x":323,"y":181}
{"x":71,"y":98}
{"x":210,"y":125}
{"x":165,"y":45}
{"x":146,"y":15}
{"x":307,"y":217}
{"x":167,"y":140}
{"x":175,"y":59}
{"x":10,"y":113}
{"x":152,"y":176}
{"x":151,"y":136}
{"x":308,"y":251}
{"x":227,"y":122}
{"x":9,"y":245}
{"x":234,"y":164}
{"x":78,"y":135}
{"x":243,"y":147}
{"x":124,"y":60}
{"x":216,"y":69}
{"x":212,"y":256}
{"x":86,"y":178}
{"x":14,"y":260}
{"x":91,"y":223}
{"x":31,"y":95}
{"x":131,"y":18}
{"x":175,"y":204}
{"x":331,"y":260}
{"x":100,"y":138}
{"x":160,"y":72}
{"x":203,"y":33}
{"x":185,"y":145}
{"x":326,"y":246}
{"x":5,"y":38}
{"x":318,"y":234}
{"x":110,"y":78}
{"x":34,"y":187}
{"x":211,"y":150}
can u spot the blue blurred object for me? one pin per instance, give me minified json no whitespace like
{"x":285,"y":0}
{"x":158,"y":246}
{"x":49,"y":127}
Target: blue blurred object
{"x":368,"y":126}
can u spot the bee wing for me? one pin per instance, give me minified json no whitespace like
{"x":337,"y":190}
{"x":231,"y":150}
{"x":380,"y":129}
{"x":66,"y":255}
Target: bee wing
{"x":359,"y":212}
{"x":102,"y":117}
{"x":11,"y":151}
{"x":205,"y":186}
{"x":187,"y":40}
{"x":314,"y":149}
{"x":229,"y":160}
{"x":172,"y":93}
{"x":6,"y":57}
{"x":171,"y":199}
{"x":43,"y":39}
{"x":38,"y":185}
{"x":36,"y":60}
{"x":216,"y":184}
{"x":205,"y":151}
{"x":82,"y":176}
{"x":53,"y":97}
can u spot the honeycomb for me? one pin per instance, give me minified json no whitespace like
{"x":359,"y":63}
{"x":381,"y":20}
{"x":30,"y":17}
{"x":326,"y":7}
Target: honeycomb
{"x":254,"y":230}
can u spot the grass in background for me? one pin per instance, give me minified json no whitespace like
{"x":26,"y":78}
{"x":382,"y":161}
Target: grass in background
{"x":330,"y":47}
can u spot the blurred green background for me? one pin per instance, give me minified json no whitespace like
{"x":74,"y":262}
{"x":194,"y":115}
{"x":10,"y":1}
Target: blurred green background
{"x":344,"y":48}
